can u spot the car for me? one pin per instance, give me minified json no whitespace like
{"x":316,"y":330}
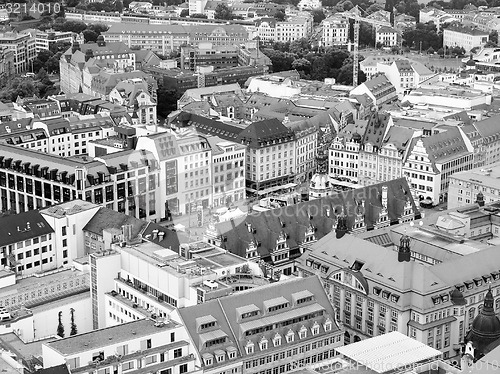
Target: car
{"x":30,"y":75}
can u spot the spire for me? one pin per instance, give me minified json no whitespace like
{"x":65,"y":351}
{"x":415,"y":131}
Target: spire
{"x":341,"y":229}
{"x":489,"y":301}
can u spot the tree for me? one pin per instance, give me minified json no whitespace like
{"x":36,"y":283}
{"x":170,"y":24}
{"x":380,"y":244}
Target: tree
{"x":73,"y":26}
{"x":98,"y":28}
{"x":90,"y":36}
{"x":198,"y":15}
{"x":300,"y":47}
{"x":279,"y":15}
{"x":281,"y":61}
{"x":440,"y":51}
{"x":347,"y":5}
{"x":373,"y":8}
{"x":318,"y":15}
{"x":302,"y":65}
{"x":493,"y":37}
{"x":74,"y":329}
{"x":60,"y":326}
{"x":366,"y":35}
{"x":430,"y":51}
{"x":184,"y":13}
{"x":222,"y":11}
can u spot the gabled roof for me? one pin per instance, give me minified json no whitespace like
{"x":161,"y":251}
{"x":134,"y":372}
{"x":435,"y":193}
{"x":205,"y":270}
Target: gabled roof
{"x":377,"y":125}
{"x":207,"y":126}
{"x":443,"y":146}
{"x":488,"y":126}
{"x":400,"y":137}
{"x":23,"y":226}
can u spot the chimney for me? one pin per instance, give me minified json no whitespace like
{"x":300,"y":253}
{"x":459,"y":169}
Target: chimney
{"x":384,"y":196}
{"x":75,"y":47}
{"x":88,"y":54}
{"x":100,"y":41}
{"x":127,"y":233}
{"x":161,"y":235}
{"x":480,"y":199}
{"x":155,"y":234}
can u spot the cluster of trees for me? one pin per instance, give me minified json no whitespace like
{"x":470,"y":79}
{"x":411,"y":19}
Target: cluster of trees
{"x":461,"y":4}
{"x":423,"y":37}
{"x":40,"y":86}
{"x":316,"y":65}
{"x":90,"y":32}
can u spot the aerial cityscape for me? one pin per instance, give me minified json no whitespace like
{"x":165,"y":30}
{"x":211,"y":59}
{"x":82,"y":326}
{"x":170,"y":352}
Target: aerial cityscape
{"x":249,"y":186}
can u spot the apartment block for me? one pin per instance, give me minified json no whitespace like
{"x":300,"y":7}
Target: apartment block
{"x":45,"y":39}
{"x":164,"y":39}
{"x":7,"y":64}
{"x":465,"y":37}
{"x":228,"y":171}
{"x":243,"y":332}
{"x":386,"y":36}
{"x":294,"y":28}
{"x":139,"y":345}
{"x":432,"y":160}
{"x":23,"y":46}
{"x":335,"y":32}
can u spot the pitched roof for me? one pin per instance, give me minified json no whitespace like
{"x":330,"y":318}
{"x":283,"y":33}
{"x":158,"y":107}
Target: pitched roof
{"x":488,"y":127}
{"x":268,"y":130}
{"x":106,"y":219}
{"x":23,"y":226}
{"x":320,"y":214}
{"x":443,"y":146}
{"x":400,"y":137}
{"x":227,"y":311}
{"x":207,"y":126}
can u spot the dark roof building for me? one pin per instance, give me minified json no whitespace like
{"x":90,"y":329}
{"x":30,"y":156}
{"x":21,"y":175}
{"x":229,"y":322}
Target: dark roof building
{"x":274,"y":236}
{"x":264,"y":133}
{"x":23,"y":226}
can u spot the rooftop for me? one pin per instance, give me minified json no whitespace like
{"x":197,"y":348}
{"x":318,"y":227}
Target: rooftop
{"x":388,"y":352}
{"x":109,"y":336}
{"x":23,"y":226}
{"x":68,"y":208}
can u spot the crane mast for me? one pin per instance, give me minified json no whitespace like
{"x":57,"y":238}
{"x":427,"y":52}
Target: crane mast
{"x":354,"y":14}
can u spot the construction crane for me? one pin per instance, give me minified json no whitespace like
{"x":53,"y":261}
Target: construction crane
{"x":355,"y":14}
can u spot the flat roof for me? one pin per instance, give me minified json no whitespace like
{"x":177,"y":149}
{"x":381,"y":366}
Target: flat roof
{"x":68,"y":208}
{"x":108,"y":336}
{"x":387,"y":352}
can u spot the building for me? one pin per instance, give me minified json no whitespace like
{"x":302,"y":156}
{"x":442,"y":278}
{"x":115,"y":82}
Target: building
{"x":294,"y":28}
{"x":465,"y":186}
{"x":45,"y":39}
{"x":377,"y":289}
{"x":386,"y":36}
{"x":7,"y":65}
{"x":134,"y":94}
{"x":379,"y":89}
{"x":405,"y":75}
{"x":206,"y":54}
{"x":448,"y":96}
{"x":276,"y":237}
{"x":277,"y":327}
{"x":185,"y":161}
{"x":165,"y":39}
{"x":163,"y":346}
{"x":121,"y":181}
{"x":464,"y":37}
{"x":29,"y":246}
{"x":433,"y":159}
{"x":228,"y":171}
{"x":181,"y":80}
{"x":335,"y":32}
{"x":75,"y":59}
{"x":23,"y":46}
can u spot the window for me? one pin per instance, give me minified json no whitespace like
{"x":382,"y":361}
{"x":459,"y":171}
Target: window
{"x":177,"y":352}
{"x":183,"y":368}
{"x":64,"y":231}
{"x":151,"y":359}
{"x":128,"y":365}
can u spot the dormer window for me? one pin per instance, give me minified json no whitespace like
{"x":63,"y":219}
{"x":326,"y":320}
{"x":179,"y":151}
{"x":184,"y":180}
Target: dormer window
{"x":249,"y":348}
{"x":386,"y":294}
{"x":290,"y":336}
{"x":208,"y":359}
{"x":328,"y":325}
{"x":231,"y":352}
{"x":263,"y":344}
{"x":220,"y":355}
{"x":303,"y":332}
{"x":315,"y":328}
{"x":277,"y":340}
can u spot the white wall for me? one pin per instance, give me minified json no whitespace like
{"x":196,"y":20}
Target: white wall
{"x":46,"y":317}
